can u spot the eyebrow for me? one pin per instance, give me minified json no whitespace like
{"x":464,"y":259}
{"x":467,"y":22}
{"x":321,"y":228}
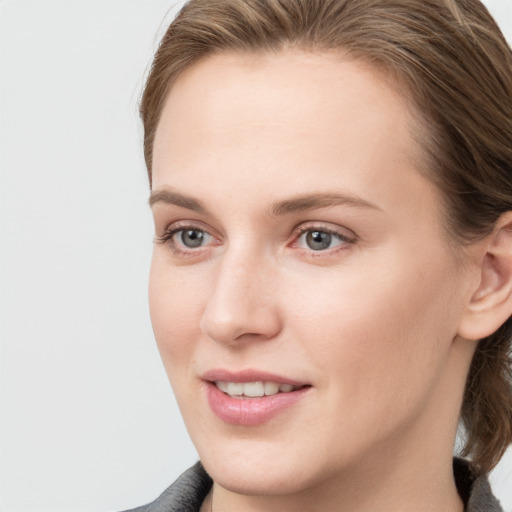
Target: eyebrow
{"x":169,"y":196}
{"x":316,"y":201}
{"x":278,"y":209}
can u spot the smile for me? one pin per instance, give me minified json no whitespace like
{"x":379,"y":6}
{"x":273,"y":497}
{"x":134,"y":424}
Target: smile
{"x":238,"y":399}
{"x":257,"y":389}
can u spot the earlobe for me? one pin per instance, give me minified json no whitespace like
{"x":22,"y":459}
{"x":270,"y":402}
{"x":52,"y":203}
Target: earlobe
{"x":490,"y":304}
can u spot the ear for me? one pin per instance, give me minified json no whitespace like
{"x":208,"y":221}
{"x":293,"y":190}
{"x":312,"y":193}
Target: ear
{"x":491,"y":303}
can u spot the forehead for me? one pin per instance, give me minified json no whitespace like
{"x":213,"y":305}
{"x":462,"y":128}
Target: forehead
{"x":281,"y":116}
{"x":310,"y":91}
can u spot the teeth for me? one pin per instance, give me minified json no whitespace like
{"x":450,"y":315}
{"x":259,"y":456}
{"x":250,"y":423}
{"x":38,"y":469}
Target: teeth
{"x":253,"y":389}
{"x":235,"y":388}
{"x":223,"y":386}
{"x":271,"y":388}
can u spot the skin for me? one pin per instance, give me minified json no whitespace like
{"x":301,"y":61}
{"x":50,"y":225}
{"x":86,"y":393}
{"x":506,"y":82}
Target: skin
{"x":373,"y":323}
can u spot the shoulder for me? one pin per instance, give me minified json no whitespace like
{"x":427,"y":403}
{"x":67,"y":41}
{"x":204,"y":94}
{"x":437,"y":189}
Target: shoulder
{"x":186,"y":494}
{"x":474,"y":488}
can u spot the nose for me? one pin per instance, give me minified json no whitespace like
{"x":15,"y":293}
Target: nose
{"x":243,"y":302}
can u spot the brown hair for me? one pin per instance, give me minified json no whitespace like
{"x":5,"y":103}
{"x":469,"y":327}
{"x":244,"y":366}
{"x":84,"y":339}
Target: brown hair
{"x":458,"y":68}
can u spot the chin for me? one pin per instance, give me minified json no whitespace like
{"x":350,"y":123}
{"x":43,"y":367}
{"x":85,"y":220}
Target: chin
{"x":268,"y":480}
{"x":270,"y":468}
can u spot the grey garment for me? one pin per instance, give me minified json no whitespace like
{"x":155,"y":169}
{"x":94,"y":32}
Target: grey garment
{"x":474,"y":489}
{"x":189,"y":491}
{"x":185,"y":495}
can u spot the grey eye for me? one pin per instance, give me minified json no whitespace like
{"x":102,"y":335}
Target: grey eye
{"x":318,"y":240}
{"x":192,"y":237}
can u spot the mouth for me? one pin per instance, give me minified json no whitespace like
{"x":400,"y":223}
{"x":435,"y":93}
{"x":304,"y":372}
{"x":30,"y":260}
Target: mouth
{"x":250,"y":397}
{"x":258,"y":389}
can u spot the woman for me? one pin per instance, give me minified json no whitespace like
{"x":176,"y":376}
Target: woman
{"x":331,"y":282}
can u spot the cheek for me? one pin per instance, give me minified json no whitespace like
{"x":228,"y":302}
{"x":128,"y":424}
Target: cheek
{"x":374,"y":332}
{"x":174,"y":304}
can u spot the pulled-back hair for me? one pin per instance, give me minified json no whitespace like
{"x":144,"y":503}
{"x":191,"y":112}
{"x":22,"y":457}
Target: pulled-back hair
{"x":457,"y":66}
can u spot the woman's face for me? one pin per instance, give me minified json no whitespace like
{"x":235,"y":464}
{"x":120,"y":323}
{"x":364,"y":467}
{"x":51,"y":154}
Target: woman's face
{"x":301,"y":249}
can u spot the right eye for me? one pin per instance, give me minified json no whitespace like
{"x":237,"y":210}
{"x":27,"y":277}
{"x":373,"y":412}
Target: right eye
{"x":186,"y":239}
{"x":190,"y":238}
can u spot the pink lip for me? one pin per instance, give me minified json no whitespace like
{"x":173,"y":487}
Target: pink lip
{"x":248,"y":375}
{"x":249,"y":411}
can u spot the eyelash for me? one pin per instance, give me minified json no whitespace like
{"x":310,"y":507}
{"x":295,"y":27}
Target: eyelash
{"x":167,"y":238}
{"x":346,"y":240}
{"x":181,"y":250}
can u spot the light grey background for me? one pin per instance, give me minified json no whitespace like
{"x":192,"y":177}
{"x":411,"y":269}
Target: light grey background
{"x":87,"y":419}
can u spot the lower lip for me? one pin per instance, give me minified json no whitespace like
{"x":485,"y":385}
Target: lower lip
{"x":250,"y":411}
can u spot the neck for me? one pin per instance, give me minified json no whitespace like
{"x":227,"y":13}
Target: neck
{"x":387,"y":489}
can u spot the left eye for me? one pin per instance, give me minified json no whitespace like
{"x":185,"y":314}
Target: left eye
{"x":318,"y":240}
{"x":190,"y":238}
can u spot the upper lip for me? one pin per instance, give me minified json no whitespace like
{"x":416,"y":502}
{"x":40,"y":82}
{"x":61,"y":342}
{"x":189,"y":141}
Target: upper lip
{"x":248,"y":375}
